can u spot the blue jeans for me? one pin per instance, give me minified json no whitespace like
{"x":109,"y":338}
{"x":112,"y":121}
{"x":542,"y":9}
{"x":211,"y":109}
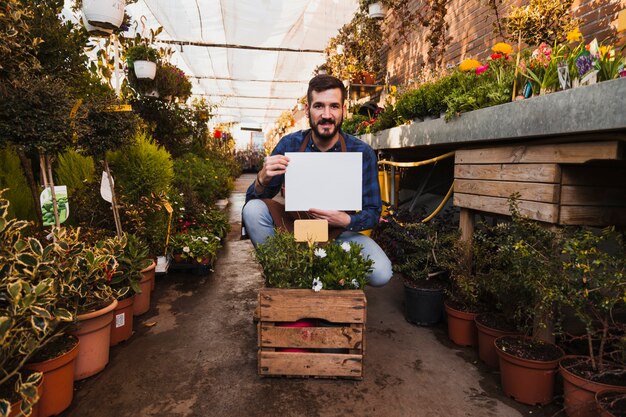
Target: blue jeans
{"x":259,"y":226}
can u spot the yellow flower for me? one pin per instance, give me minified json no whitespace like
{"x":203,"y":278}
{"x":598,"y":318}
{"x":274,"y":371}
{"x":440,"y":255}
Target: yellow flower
{"x":503,"y":48}
{"x":469,"y":64}
{"x":605,"y":51}
{"x":574,"y":36}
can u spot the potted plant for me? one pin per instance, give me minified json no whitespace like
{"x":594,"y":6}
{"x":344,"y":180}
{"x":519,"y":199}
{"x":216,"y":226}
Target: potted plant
{"x":142,"y":59}
{"x":125,"y":283}
{"x":595,"y":286}
{"x":417,"y":251}
{"x":195,"y":245}
{"x":171,"y":82}
{"x":24,"y":326}
{"x":527,"y":363}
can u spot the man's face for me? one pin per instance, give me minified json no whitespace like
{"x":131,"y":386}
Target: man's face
{"x":326,"y":113}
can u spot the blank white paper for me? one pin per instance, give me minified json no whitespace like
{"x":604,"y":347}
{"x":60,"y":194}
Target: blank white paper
{"x":323,"y":180}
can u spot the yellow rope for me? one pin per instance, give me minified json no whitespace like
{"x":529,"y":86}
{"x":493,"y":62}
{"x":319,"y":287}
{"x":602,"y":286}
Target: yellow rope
{"x":443,"y":203}
{"x":416,"y":164}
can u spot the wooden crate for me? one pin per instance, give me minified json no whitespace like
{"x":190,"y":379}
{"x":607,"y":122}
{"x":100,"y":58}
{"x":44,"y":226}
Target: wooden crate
{"x":345,"y":309}
{"x":562,"y":183}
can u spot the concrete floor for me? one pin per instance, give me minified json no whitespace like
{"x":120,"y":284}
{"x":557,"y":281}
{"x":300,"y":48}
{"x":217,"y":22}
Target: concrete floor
{"x":194,"y":354}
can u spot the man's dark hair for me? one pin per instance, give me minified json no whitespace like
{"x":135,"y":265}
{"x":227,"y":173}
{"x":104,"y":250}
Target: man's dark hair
{"x":323,"y":82}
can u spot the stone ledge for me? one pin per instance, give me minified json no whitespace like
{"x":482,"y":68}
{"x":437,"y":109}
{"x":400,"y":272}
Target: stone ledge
{"x":597,"y":108}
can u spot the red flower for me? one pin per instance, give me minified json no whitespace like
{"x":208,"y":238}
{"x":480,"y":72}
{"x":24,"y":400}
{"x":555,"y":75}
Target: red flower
{"x":496,"y":56}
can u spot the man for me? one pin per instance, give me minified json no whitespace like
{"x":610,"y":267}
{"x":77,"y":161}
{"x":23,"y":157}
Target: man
{"x":325,"y":107}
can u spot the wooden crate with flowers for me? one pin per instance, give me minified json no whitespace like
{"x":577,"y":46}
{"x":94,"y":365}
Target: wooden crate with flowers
{"x":313,"y":312}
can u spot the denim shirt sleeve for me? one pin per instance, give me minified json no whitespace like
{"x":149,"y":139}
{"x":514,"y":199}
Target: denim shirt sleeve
{"x":276,"y":182}
{"x":371,"y":204}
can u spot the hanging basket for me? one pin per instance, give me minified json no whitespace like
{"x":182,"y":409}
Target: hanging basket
{"x":95,"y":30}
{"x":106,"y":14}
{"x":145,"y":70}
{"x":376,"y":11}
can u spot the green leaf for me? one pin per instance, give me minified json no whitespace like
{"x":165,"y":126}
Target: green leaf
{"x":14,"y":289}
{"x":27,"y":259}
{"x":5,"y":325}
{"x":5,"y":408}
{"x":62,"y":314}
{"x":39,"y":324}
{"x":36,"y":247}
{"x":41,"y":312}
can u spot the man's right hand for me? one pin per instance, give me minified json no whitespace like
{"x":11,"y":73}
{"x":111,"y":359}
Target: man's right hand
{"x":273,"y":166}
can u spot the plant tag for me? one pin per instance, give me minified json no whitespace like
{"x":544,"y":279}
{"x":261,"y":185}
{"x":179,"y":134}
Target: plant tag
{"x":310,"y":230}
{"x":168,"y":207}
{"x":563,"y":72}
{"x":105,"y":187}
{"x":47,"y":209}
{"x":120,"y":320}
{"x":590,"y":78}
{"x":621,"y":21}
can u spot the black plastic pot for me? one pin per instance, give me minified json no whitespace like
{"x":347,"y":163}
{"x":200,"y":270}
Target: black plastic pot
{"x":423,"y":306}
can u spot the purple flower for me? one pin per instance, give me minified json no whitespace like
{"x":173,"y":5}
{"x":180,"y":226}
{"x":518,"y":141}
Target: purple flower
{"x":584,"y":65}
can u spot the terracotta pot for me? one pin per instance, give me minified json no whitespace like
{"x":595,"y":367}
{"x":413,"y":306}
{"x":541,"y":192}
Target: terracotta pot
{"x":142,"y":300}
{"x":486,"y":347}
{"x":122,"y":325}
{"x":57,"y":389}
{"x":618,"y":398}
{"x":94,"y":333}
{"x":461,"y":327}
{"x":580,"y":393}
{"x":150,"y":271}
{"x":527,"y":381}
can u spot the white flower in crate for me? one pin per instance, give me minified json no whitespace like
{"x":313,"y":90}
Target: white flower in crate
{"x":186,"y":249}
{"x":355,"y":283}
{"x":320,"y":253}
{"x":317,"y":284}
{"x":345,"y":246}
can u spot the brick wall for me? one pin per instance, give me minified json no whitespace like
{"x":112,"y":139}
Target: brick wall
{"x":471,"y":33}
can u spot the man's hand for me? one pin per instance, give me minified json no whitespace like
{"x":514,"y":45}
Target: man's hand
{"x":273,"y":166}
{"x":334,"y":217}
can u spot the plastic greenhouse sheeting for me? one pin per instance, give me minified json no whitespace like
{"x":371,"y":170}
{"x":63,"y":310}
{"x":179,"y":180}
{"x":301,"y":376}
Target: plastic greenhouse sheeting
{"x":252,"y":58}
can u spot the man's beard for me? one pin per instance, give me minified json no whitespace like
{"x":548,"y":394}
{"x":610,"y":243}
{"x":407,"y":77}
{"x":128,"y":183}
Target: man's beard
{"x":321,"y":132}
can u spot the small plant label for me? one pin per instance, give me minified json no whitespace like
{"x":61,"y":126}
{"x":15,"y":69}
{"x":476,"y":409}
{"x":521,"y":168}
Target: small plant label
{"x":120,"y":320}
{"x":47,"y":209}
{"x":105,"y":187}
{"x":563,"y":72}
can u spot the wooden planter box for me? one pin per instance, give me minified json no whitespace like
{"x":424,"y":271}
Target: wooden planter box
{"x":345,"y":311}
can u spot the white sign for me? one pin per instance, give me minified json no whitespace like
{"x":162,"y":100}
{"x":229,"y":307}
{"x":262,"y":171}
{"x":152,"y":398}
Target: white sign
{"x":323,"y":180}
{"x":47,"y":209}
{"x":120,"y":320}
{"x":105,"y":187}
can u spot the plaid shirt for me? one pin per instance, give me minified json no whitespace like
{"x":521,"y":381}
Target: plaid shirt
{"x":371,"y":205}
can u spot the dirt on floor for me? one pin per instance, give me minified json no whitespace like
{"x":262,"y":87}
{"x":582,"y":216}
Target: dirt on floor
{"x":195,"y":354}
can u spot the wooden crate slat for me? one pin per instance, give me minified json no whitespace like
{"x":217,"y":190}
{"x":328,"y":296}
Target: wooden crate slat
{"x":593,"y":175}
{"x":348,"y":306}
{"x":572,"y":195}
{"x":565,"y":153}
{"x":530,"y":191}
{"x":310,"y":364}
{"x":544,"y":212}
{"x":593,"y":216}
{"x":544,"y":173}
{"x":311,"y":337}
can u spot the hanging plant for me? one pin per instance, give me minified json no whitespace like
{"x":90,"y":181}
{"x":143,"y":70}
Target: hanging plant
{"x":172,"y":81}
{"x":541,"y":21}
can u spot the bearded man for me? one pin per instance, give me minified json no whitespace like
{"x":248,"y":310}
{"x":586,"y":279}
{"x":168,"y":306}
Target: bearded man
{"x":325,"y":108}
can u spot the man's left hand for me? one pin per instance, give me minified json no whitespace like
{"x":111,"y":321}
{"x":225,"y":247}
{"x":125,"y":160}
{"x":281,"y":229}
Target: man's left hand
{"x":334,"y":217}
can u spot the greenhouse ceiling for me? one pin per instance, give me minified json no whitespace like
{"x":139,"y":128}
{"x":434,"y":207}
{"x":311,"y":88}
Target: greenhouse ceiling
{"x":251,"y":58}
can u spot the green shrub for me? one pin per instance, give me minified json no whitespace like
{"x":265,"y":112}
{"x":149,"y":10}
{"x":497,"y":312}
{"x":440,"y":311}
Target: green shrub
{"x":351,"y":124}
{"x":412,"y":104}
{"x":142,"y":169}
{"x":74,"y":170}
{"x":12,"y":177}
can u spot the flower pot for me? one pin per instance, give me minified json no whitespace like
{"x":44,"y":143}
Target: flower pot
{"x":94,"y":333}
{"x":461,"y":326}
{"x":34,"y":411}
{"x":122,"y":325}
{"x":95,"y":30}
{"x":486,"y":347}
{"x":57,"y":389}
{"x":423,"y":306}
{"x":610,"y":403}
{"x":376,"y":11}
{"x":107,"y":14}
{"x":580,"y":393}
{"x":525,"y":380}
{"x":142,"y":300}
{"x":154,"y":93}
{"x":144,"y":70}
